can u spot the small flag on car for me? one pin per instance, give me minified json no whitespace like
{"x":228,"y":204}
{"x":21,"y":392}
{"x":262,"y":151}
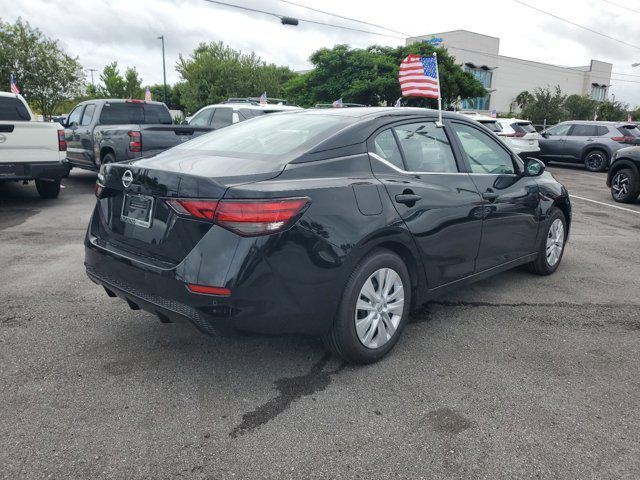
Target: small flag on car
{"x":14,"y":85}
{"x":147,"y":95}
{"x":263,"y":99}
{"x":337,"y":103}
{"x":398,"y":103}
{"x":418,"y":77}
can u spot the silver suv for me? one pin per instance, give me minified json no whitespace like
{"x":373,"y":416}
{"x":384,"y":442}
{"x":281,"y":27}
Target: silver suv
{"x":236,"y":110}
{"x":591,"y":143}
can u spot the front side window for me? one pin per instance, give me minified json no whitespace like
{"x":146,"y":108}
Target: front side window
{"x":584,"y":131}
{"x":484,"y":153}
{"x":12,"y":109}
{"x":426,"y":148}
{"x":201,"y":119}
{"x":222,"y":117}
{"x":559,"y":130}
{"x":87,"y":116}
{"x":385,"y":145}
{"x":74,"y":116}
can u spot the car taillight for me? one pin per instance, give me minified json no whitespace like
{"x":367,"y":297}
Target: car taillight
{"x":244,"y":217}
{"x":625,"y":139}
{"x":62,"y":142}
{"x":207,"y":290}
{"x":135,"y":141}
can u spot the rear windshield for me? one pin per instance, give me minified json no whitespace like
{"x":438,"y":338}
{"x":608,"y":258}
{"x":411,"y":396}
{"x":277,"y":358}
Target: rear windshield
{"x":12,"y":109}
{"x":268,"y":136}
{"x":136,"y":113}
{"x":629,"y":131}
{"x":491,"y":125}
{"x":523,"y":127}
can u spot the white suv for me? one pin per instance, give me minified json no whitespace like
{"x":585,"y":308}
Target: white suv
{"x":520,"y":135}
{"x":233,"y":111}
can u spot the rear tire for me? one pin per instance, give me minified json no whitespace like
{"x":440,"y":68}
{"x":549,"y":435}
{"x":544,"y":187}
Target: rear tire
{"x":108,"y":158}
{"x":373,"y":311}
{"x":552,"y":245}
{"x":596,"y":160}
{"x":48,"y":188}
{"x":625,"y":186}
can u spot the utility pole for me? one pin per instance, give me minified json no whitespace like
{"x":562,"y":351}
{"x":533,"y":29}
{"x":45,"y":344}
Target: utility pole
{"x":92,"y":70}
{"x":164,"y":71}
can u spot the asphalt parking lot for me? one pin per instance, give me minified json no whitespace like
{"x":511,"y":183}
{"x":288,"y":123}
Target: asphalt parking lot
{"x":517,"y":376}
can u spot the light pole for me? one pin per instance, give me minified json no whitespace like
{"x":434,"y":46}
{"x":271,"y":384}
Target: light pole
{"x":92,"y":70}
{"x":635,"y":64}
{"x":164,"y":71}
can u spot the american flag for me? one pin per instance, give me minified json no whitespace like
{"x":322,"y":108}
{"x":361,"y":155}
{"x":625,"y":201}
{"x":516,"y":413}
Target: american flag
{"x":419,"y":77}
{"x":263,"y":99}
{"x":147,"y":95}
{"x":14,"y":85}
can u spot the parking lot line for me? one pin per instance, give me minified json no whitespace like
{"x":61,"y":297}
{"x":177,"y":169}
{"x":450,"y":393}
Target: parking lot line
{"x":606,"y":204}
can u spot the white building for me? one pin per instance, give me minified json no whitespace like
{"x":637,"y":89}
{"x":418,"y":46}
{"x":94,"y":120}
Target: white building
{"x":505,"y":77}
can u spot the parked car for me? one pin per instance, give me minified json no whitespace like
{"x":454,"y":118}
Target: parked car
{"x":30,"y":150}
{"x":489,"y":122}
{"x":591,"y":143}
{"x":624,"y":175}
{"x":333,"y":222}
{"x":111,"y":130}
{"x":520,"y":135}
{"x":234,"y":110}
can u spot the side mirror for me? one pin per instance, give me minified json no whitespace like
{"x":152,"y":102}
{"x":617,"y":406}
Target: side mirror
{"x":545,"y":134}
{"x":533,"y":167}
{"x":73,"y":125}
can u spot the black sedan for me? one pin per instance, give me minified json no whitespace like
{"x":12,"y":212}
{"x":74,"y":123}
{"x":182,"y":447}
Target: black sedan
{"x":624,"y":175}
{"x":328,"y":222}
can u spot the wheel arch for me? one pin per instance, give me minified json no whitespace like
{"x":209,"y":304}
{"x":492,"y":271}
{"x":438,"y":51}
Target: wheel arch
{"x":618,"y":165}
{"x":564,"y":206}
{"x":105,"y":150}
{"x":598,"y":146}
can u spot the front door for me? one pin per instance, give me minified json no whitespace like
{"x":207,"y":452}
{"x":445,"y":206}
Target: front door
{"x":437,"y":200}
{"x":552,"y":142}
{"x":72,"y":136}
{"x":510,"y":199}
{"x":85,"y":133}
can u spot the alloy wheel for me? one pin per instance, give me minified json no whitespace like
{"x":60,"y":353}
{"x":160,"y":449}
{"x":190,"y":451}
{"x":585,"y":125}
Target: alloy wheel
{"x":620,"y":185}
{"x":595,"y":161}
{"x":555,"y":242}
{"x":379,"y":308}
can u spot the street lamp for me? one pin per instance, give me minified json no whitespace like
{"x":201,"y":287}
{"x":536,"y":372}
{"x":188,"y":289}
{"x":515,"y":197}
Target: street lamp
{"x":164,"y":71}
{"x":635,"y":64}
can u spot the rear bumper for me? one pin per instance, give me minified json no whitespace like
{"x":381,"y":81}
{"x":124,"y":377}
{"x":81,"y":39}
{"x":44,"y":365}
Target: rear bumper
{"x":34,"y":170}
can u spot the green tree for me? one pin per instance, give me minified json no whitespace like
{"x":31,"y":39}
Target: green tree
{"x":132,"y":84}
{"x":524,"y":98}
{"x":114,"y":84}
{"x":635,"y":114}
{"x":46,"y":75}
{"x":215,"y":72}
{"x":613,"y":111}
{"x":579,"y":107}
{"x":546,"y":105}
{"x":370,"y":76}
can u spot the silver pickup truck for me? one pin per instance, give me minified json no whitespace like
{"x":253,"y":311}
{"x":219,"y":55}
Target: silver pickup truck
{"x":111,"y":130}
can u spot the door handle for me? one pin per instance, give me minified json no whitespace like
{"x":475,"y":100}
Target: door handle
{"x":407,"y":198}
{"x":489,"y":195}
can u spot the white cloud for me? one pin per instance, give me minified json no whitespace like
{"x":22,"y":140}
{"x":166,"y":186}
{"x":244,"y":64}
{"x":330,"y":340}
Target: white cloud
{"x":101,"y":31}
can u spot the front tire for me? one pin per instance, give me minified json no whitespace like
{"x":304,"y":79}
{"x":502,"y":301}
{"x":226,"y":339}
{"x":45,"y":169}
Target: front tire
{"x":373,"y":310}
{"x":48,"y":188}
{"x":625,"y":186}
{"x":552,"y":245}
{"x":596,"y":161}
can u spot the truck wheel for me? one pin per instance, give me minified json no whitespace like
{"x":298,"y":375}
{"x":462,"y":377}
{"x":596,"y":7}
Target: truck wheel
{"x":108,"y":158}
{"x":596,"y":160}
{"x":48,"y":188}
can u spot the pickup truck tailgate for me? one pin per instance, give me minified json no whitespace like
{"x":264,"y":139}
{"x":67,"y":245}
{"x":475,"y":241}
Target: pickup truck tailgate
{"x":156,"y":138}
{"x":27,"y":142}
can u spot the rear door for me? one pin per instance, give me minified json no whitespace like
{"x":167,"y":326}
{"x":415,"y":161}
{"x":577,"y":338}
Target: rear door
{"x":436,"y":198}
{"x":581,"y":136}
{"x":509,"y":199}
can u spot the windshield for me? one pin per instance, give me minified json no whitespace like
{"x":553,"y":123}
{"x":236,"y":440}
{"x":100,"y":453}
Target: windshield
{"x":134,"y":113}
{"x":268,"y":135}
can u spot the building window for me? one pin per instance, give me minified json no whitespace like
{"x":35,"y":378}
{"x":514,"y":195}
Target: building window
{"x":484,"y":76}
{"x":598,"y":92}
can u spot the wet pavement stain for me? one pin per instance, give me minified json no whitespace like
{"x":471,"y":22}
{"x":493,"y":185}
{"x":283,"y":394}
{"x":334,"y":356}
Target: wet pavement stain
{"x":15,"y":216}
{"x":446,"y":420}
{"x":290,"y":389}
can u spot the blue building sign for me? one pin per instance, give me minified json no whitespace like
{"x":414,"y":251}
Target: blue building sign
{"x":434,"y":41}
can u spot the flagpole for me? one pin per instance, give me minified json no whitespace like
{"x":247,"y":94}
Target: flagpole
{"x":439,"y":124}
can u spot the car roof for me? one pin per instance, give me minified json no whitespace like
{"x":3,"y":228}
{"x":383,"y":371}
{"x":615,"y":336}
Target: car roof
{"x":373,"y":112}
{"x":511,"y":120}
{"x":10,"y":94}
{"x":597,"y":122}
{"x":250,"y":106}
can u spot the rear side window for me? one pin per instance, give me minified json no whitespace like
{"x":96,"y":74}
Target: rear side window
{"x":248,"y":113}
{"x":426,"y":148}
{"x":222,"y":117}
{"x":584,"y":131}
{"x":136,"y":113}
{"x":87,"y":116}
{"x":385,"y":146}
{"x":523,"y":127}
{"x":12,"y":109}
{"x":600,"y":131}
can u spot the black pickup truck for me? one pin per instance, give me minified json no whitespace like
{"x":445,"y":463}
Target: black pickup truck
{"x":111,"y":130}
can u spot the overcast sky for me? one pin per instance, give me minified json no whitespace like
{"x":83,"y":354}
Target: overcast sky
{"x":101,"y":31}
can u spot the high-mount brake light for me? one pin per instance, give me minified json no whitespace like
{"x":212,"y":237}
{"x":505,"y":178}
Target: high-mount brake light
{"x":135,"y":141}
{"x":245,"y":217}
